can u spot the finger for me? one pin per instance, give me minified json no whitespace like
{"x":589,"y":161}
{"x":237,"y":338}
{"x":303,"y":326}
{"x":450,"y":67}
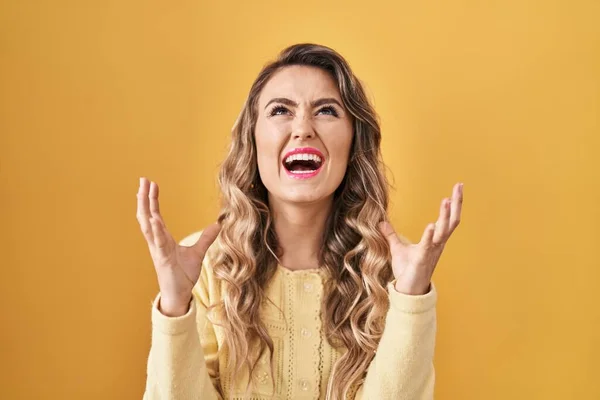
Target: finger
{"x":441,"y":226}
{"x":154,"y":206}
{"x":456,"y":206}
{"x":153,"y":198}
{"x":143,"y":211}
{"x":388,"y":231}
{"x":207,"y":237}
{"x":161,"y":236}
{"x":427,"y":237}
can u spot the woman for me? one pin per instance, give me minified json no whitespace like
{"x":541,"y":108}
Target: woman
{"x":302,"y":290}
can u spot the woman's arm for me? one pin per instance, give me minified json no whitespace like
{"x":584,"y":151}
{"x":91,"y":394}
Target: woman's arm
{"x":183,"y":363}
{"x":402,"y":369}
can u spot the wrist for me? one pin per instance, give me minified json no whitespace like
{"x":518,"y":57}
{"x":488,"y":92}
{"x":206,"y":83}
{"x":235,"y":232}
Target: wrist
{"x":414,"y":289}
{"x":173,"y":307}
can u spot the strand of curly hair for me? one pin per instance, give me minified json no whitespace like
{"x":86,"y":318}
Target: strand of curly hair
{"x":354,"y":253}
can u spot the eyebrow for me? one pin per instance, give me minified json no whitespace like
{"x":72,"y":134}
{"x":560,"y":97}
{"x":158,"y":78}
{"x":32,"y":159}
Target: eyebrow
{"x":316,"y":103}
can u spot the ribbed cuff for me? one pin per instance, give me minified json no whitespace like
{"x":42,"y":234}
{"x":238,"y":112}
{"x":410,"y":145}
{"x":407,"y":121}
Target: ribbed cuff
{"x":412,"y":304}
{"x":173,"y":325}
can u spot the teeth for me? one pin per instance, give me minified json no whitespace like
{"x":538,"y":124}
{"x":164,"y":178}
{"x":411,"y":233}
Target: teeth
{"x":304,"y":157}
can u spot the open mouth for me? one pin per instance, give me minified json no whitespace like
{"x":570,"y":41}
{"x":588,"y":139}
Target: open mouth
{"x":300,"y":164}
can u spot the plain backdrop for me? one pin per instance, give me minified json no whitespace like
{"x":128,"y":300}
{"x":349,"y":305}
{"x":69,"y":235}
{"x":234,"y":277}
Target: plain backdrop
{"x":501,"y":95}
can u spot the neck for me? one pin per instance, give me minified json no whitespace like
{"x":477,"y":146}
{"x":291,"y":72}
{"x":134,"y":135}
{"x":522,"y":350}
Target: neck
{"x":299,"y":229}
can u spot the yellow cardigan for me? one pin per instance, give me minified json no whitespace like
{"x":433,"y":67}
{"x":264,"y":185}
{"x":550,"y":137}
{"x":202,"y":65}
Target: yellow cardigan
{"x":183,"y":363}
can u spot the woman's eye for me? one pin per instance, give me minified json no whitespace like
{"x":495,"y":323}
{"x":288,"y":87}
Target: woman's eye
{"x":278,"y":110}
{"x":329,"y":110}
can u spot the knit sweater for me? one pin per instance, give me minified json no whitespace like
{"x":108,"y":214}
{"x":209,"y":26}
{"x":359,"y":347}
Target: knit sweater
{"x":184,"y":362}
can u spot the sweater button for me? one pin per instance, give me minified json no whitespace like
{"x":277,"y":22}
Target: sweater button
{"x":263,"y":377}
{"x":306,"y":333}
{"x":308,"y":287}
{"x":304,"y":385}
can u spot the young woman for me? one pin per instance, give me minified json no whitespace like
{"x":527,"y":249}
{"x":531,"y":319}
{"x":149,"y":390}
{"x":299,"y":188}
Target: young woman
{"x":302,"y":290}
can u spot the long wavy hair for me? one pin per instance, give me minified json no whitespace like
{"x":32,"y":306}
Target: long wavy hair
{"x":354,"y":253}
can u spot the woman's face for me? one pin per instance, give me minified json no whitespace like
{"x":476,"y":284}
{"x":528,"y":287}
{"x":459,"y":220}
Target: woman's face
{"x":303,"y":135}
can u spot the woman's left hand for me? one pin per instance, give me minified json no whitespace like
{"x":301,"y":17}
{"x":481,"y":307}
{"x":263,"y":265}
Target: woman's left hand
{"x":413,"y":264}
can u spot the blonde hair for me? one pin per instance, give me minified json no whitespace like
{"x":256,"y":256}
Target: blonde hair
{"x":354,"y":253}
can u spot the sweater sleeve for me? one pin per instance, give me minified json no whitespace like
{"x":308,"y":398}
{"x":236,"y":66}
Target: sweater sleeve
{"x":183,"y":363}
{"x":402,"y":368}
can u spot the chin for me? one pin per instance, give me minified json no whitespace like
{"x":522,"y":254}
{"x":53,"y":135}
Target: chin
{"x":306,"y":199}
{"x":301,"y":196}
{"x":310,"y":191}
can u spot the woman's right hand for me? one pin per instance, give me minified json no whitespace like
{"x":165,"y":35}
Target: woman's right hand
{"x":177,"y":267}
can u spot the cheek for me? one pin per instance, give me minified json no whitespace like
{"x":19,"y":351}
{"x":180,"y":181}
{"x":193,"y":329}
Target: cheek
{"x":339,"y":147}
{"x":268,"y":146}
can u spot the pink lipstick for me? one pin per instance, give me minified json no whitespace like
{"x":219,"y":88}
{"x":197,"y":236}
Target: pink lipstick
{"x":303,"y":162}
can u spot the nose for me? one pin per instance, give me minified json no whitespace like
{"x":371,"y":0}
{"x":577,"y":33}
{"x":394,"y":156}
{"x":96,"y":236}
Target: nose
{"x":302,"y":129}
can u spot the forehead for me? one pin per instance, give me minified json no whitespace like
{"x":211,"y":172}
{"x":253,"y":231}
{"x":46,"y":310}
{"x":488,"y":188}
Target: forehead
{"x":300,"y":83}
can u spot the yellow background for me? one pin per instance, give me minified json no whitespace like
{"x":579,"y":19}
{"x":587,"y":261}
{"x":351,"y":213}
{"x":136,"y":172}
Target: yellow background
{"x":501,"y":95}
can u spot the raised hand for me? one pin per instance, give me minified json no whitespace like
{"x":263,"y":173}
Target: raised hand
{"x":413,"y":264}
{"x":177,"y":267}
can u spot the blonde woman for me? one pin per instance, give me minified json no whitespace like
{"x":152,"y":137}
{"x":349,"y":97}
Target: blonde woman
{"x":302,"y":289}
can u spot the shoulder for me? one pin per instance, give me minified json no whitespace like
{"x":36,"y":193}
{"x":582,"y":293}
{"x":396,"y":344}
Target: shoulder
{"x":192,"y":238}
{"x":207,"y":283}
